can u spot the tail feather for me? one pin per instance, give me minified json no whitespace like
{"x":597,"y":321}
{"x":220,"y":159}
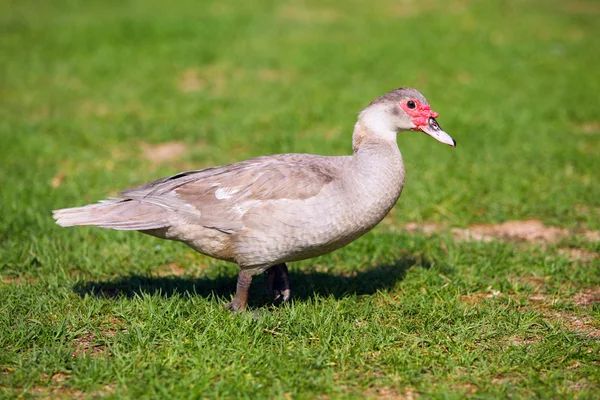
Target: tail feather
{"x":120,"y":214}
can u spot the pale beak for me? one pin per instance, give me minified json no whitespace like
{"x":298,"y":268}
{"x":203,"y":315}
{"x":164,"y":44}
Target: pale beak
{"x":433,"y":129}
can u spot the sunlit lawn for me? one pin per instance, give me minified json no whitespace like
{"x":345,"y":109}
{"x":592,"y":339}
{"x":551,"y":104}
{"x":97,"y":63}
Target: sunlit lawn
{"x":100,"y":96}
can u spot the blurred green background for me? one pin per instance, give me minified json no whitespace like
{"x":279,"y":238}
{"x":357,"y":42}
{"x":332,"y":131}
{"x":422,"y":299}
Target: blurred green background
{"x":98,"y":96}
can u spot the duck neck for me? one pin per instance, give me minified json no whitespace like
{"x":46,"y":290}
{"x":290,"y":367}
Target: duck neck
{"x":376,"y":177}
{"x":372,"y":146}
{"x":377,"y":159}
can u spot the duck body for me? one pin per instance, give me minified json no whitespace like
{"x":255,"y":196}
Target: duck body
{"x":280,"y":208}
{"x":266,"y":211}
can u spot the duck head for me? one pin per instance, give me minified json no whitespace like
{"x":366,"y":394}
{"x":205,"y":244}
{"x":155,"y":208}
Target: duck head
{"x":401,"y":110}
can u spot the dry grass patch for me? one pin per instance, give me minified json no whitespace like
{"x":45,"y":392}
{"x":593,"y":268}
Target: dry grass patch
{"x":172,"y":269}
{"x":580,"y":7}
{"x":58,"y":393}
{"x":216,"y":79}
{"x":465,"y":388}
{"x":92,"y":345}
{"x":275,"y":75}
{"x":298,"y":13}
{"x":592,"y":236}
{"x":582,"y":325}
{"x":535,"y":289}
{"x":387,"y":393}
{"x":587,"y":298}
{"x":479,"y":297}
{"x":17,"y":280}
{"x":221,"y":79}
{"x":59,"y":389}
{"x":57,"y":180}
{"x":191,"y":81}
{"x":528,"y":230}
{"x":519,"y":340}
{"x":585,"y":209}
{"x":427,"y":228}
{"x":531,"y":230}
{"x":59,"y":377}
{"x":87,"y":344}
{"x":506,"y":379}
{"x":162,"y":152}
{"x":93,"y":108}
{"x":590,"y":127}
{"x":578,"y":254}
{"x":412,"y":8}
{"x":534,"y":282}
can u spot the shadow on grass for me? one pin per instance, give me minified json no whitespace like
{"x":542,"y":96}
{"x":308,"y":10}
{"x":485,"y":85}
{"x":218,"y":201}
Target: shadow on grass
{"x":304,"y":284}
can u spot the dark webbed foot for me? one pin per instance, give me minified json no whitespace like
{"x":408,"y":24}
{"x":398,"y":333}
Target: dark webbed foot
{"x":278,"y":282}
{"x":240,"y":301}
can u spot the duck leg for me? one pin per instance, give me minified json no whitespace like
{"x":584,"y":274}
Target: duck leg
{"x":240,"y":301}
{"x":278,"y":282}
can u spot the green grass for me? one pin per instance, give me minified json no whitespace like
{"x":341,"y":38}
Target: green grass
{"x":86,"y":86}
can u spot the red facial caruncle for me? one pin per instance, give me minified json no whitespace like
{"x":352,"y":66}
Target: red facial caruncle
{"x":420,"y":113}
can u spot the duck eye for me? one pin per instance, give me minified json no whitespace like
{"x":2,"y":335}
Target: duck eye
{"x":411,"y":104}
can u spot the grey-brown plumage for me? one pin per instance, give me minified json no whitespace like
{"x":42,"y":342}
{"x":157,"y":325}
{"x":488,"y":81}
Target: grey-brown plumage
{"x":264,"y":212}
